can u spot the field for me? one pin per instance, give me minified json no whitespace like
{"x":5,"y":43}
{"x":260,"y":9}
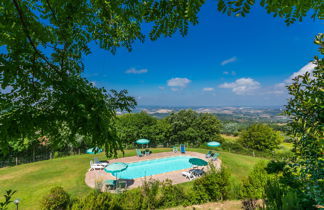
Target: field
{"x":34,"y":180}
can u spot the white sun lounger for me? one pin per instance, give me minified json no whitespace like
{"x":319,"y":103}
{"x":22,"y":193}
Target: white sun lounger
{"x":188,"y":175}
{"x":97,"y":166}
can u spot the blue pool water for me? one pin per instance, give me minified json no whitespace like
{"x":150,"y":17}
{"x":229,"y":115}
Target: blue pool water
{"x":156,"y":166}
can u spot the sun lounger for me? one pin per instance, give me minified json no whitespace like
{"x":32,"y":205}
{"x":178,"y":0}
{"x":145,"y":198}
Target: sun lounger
{"x":97,"y":166}
{"x":110,"y":184}
{"x":197,"y":172}
{"x":139,"y":153}
{"x":209,"y":154}
{"x":188,"y":175}
{"x":182,"y":148}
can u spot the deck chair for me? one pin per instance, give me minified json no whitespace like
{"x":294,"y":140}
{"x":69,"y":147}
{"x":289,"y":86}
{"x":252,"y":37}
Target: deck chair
{"x":182,"y":148}
{"x":121,"y":184}
{"x":209,"y":154}
{"x":139,"y":153}
{"x":96,"y":160}
{"x":215,"y":156}
{"x":147,"y":152}
{"x":175,"y":149}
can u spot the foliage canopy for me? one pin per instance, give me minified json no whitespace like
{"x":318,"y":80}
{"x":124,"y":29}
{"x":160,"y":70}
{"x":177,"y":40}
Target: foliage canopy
{"x":260,"y":137}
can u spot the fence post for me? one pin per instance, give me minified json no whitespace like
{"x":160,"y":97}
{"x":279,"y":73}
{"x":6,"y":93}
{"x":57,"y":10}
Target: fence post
{"x":33,"y":153}
{"x":50,"y":155}
{"x":79,"y":151}
{"x":16,"y":160}
{"x":253,"y":154}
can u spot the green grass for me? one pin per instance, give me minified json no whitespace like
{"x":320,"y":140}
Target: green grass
{"x":32,"y":181}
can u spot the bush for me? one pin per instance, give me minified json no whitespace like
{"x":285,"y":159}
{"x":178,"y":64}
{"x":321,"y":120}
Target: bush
{"x":213,"y":186}
{"x":57,"y":199}
{"x":171,"y":195}
{"x":275,"y":167}
{"x":278,"y":196}
{"x":131,"y":199}
{"x":149,"y":191}
{"x":97,"y":201}
{"x":253,"y":186}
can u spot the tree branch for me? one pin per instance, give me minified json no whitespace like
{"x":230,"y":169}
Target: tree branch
{"x":25,"y":29}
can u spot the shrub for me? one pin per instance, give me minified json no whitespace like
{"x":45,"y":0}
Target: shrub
{"x":235,"y":189}
{"x":97,"y":201}
{"x":275,"y":167}
{"x":213,"y":186}
{"x":57,"y":199}
{"x":149,"y":191}
{"x":7,"y":199}
{"x":279,"y":196}
{"x":253,"y":186}
{"x":131,"y":199}
{"x":171,"y":195}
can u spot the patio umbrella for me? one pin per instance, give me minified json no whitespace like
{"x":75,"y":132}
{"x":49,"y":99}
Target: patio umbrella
{"x":213,"y":144}
{"x":142,"y":141}
{"x":94,"y":150}
{"x":115,"y":168}
{"x":197,"y":162}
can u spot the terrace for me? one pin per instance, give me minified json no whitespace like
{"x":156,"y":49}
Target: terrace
{"x":175,"y":176}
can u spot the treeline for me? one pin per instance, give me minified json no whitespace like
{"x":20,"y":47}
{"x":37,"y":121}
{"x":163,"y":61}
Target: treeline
{"x":185,"y":126}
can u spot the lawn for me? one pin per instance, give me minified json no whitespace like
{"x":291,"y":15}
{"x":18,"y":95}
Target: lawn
{"x":33,"y":180}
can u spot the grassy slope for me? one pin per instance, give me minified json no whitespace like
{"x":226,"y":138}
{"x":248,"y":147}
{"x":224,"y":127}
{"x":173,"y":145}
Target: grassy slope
{"x":34,"y":180}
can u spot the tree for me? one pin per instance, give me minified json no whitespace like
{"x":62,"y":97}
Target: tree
{"x":43,"y":43}
{"x":189,"y":126}
{"x":306,"y":111}
{"x":135,"y":126}
{"x":260,"y":137}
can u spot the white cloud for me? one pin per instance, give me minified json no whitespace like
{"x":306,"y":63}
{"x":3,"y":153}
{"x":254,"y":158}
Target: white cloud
{"x":178,"y":82}
{"x":242,"y":86}
{"x":136,"y":71}
{"x":208,"y":89}
{"x":161,"y":87}
{"x":307,"y":68}
{"x":230,"y":60}
{"x":280,"y":88}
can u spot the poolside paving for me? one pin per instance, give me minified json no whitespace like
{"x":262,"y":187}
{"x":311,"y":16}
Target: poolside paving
{"x":175,"y":176}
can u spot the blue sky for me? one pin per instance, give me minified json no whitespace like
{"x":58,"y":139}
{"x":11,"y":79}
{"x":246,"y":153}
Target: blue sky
{"x":223,"y":61}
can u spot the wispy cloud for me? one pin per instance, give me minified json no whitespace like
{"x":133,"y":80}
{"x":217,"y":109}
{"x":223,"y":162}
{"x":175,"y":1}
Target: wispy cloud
{"x":242,"y":86}
{"x":230,"y":60}
{"x":208,"y":89}
{"x":136,"y":71}
{"x":233,"y":73}
{"x":178,"y":82}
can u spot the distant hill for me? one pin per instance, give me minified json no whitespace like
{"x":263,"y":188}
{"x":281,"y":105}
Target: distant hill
{"x":226,"y":113}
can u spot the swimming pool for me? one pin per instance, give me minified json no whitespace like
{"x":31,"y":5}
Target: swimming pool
{"x":155,"y":166}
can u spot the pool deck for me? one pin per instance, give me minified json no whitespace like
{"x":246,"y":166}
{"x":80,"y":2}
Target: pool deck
{"x":175,"y":176}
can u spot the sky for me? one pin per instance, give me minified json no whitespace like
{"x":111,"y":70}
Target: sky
{"x":223,"y":61}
